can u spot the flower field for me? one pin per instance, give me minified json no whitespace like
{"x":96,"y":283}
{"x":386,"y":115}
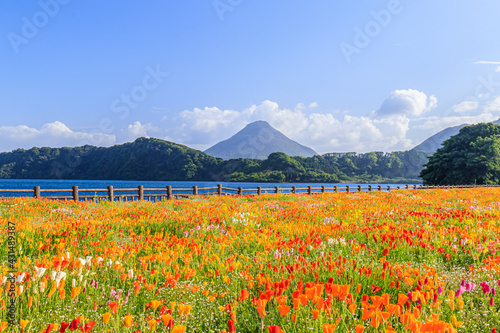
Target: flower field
{"x":404,"y":261}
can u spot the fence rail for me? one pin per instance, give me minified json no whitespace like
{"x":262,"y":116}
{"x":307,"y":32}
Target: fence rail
{"x":169,"y":193}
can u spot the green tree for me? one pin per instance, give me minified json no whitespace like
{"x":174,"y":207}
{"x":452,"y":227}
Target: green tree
{"x":470,"y":157}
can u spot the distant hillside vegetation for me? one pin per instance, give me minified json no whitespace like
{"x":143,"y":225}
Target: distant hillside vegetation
{"x":143,"y":159}
{"x":435,"y":142}
{"x":155,"y":159}
{"x":258,"y":140}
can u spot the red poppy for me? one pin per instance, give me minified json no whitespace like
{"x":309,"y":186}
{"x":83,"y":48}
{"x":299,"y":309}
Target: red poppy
{"x":49,"y":328}
{"x":64,"y":326}
{"x":88,"y":326}
{"x":232,"y":329}
{"x":274,"y":329}
{"x":74,"y":324}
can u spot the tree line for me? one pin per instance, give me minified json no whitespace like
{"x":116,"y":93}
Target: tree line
{"x":155,"y":159}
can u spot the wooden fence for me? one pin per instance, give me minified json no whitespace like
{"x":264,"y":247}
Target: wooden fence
{"x":169,"y":193}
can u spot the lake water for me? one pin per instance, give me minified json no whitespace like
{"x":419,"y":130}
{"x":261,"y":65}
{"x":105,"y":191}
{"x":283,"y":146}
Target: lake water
{"x":29,"y":184}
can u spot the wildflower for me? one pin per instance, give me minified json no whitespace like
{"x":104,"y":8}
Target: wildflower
{"x":88,"y":326}
{"x":231,"y":328}
{"x":244,"y":294}
{"x":74,"y":324}
{"x":470,"y":286}
{"x":460,"y":290}
{"x":128,"y":320}
{"x":455,"y":322}
{"x":315,"y":313}
{"x":153,"y":304}
{"x":329,"y":328}
{"x":23,"y":323}
{"x":47,"y":330}
{"x":283,"y":309}
{"x":64,"y":326}
{"x":75,"y":291}
{"x":105,"y":317}
{"x":114,"y":307}
{"x":261,"y":307}
{"x":39,"y":271}
{"x":167,"y":320}
{"x":184,"y":310}
{"x":179,"y":329}
{"x":274,"y":329}
{"x":486,"y":287}
{"x":152,"y":325}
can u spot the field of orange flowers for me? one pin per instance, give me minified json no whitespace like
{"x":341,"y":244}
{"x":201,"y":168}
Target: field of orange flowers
{"x":404,"y":261}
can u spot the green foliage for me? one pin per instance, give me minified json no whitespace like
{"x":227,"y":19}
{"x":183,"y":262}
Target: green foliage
{"x":154,"y":159}
{"x":470,"y":157}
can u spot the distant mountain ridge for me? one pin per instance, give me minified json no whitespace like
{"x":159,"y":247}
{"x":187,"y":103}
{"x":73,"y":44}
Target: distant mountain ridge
{"x":155,"y":159}
{"x":257,"y":141}
{"x":435,"y":142}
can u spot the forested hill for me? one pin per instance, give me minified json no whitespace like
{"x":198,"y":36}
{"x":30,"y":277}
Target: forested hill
{"x":155,"y":159}
{"x":143,"y":159}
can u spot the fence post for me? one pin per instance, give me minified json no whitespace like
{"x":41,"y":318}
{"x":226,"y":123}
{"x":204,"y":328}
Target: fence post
{"x":219,"y":189}
{"x":195,"y":190}
{"x":369,"y":188}
{"x":36,"y":191}
{"x":276,"y":189}
{"x":240,"y":191}
{"x":309,"y":190}
{"x":335,"y":189}
{"x":169,"y":192}
{"x":258,"y":190}
{"x":323,"y":189}
{"x":111,"y":196}
{"x":388,"y":188}
{"x":359,"y":188}
{"x":347,"y":188}
{"x":141,"y":192}
{"x":294,"y":189}
{"x":415,"y":186}
{"x":398,"y":187}
{"x":75,"y":193}
{"x":380,"y":187}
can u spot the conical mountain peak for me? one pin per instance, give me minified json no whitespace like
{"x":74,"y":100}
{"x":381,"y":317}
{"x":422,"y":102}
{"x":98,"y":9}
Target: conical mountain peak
{"x":258,"y":140}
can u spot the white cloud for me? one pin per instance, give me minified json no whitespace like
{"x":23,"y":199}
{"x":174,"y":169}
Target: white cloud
{"x":313,"y":105}
{"x":202,"y":128}
{"x":494,"y":106}
{"x":54,"y":134}
{"x":406,"y":102}
{"x":489,"y":63}
{"x":465,"y":106}
{"x":136,"y":130}
{"x":444,"y":122}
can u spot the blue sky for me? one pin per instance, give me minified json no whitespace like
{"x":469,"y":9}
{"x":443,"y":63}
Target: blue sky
{"x":333,"y":75}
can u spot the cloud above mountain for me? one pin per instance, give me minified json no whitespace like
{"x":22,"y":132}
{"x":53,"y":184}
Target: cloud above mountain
{"x":393,"y":126}
{"x":55,"y":134}
{"x":325,"y":132}
{"x":406,"y":103}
